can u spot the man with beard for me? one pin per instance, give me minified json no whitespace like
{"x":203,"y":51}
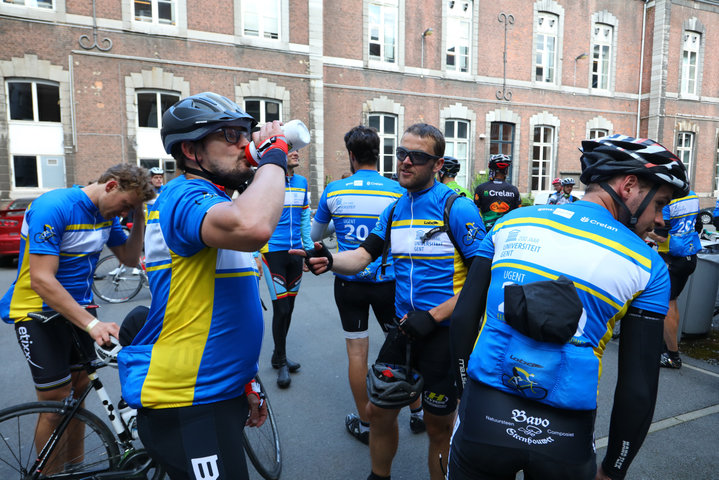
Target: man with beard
{"x":430,"y":256}
{"x":189,"y":369}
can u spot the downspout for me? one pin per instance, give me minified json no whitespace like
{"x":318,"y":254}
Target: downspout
{"x":641,"y":69}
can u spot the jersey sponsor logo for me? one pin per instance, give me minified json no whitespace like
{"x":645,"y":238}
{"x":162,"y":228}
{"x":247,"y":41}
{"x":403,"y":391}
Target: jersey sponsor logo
{"x":499,"y":207}
{"x":47,"y":235}
{"x":206,"y":196}
{"x":205,"y":468}
{"x":498,"y":193}
{"x":515,"y":241}
{"x":524,"y":362}
{"x":563,"y":213}
{"x":25,"y":342}
{"x":357,"y":183}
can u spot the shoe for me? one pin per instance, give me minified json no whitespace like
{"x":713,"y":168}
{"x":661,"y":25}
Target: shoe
{"x":352,"y":422}
{"x":670,"y":361}
{"x":277,"y":361}
{"x":283,"y":377}
{"x":416,"y":424}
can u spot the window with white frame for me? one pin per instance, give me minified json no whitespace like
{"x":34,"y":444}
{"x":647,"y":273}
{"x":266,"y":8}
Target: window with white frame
{"x":383,"y":30}
{"x":264,"y":110}
{"x":690,"y":62}
{"x":601,"y":55}
{"x":34,"y":112}
{"x":151,"y":104}
{"x":598,"y":133}
{"x":459,"y":33}
{"x":160,"y":12}
{"x":386,"y":126}
{"x":685,"y":149}
{"x":501,"y":141}
{"x":261,"y":19}
{"x":545,"y":47}
{"x":456,"y":136}
{"x":542,"y":152}
{"x":47,"y":4}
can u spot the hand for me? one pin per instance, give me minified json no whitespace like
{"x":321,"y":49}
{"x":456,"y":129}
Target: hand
{"x":318,"y":260}
{"x":600,"y":474}
{"x":258,"y":413}
{"x":417,"y":324}
{"x":102,"y":331}
{"x":258,"y":261}
{"x":268,"y":130}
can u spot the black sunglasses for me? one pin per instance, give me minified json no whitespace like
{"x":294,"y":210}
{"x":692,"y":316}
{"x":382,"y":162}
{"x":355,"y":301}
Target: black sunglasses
{"x":416,"y":157}
{"x":234,"y":134}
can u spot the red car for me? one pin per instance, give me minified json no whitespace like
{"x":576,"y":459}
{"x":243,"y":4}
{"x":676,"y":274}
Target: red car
{"x":11,"y":215}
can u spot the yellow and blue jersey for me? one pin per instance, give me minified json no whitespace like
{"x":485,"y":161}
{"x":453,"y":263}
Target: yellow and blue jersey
{"x":429,"y":272}
{"x":288,"y":233}
{"x":681,"y":217}
{"x":64,"y":223}
{"x":354,"y":205}
{"x":612,"y":269}
{"x":203,"y":333}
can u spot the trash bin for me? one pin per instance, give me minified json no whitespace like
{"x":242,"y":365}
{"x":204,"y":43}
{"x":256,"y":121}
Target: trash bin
{"x":696,"y":302}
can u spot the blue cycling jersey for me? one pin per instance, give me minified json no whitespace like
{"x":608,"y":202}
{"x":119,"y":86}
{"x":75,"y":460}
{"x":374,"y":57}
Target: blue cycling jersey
{"x":354,"y":205}
{"x":429,"y":272}
{"x":64,"y":223}
{"x":289,"y":233}
{"x":203,"y":333}
{"x":611,"y":267}
{"x":681,"y":216}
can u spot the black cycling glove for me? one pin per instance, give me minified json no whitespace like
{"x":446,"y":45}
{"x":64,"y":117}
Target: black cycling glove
{"x":322,"y":251}
{"x":418,"y":324}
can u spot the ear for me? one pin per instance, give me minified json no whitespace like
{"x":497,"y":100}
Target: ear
{"x":189,"y":149}
{"x":626,"y":185}
{"x":111,"y":185}
{"x":438,"y":165}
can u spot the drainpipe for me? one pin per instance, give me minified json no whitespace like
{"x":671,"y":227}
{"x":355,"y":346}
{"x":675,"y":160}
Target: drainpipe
{"x":641,"y":69}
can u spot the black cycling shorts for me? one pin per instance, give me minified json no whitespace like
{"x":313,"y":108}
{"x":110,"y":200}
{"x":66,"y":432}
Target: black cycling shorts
{"x":285,"y":274}
{"x":197,"y":442}
{"x":50,"y":350}
{"x":497,"y":435}
{"x":431,"y":358}
{"x":353,"y":301}
{"x":680,"y":269}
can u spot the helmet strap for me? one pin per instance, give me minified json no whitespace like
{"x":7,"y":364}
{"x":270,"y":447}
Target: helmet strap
{"x":204,"y":173}
{"x":633,"y":217}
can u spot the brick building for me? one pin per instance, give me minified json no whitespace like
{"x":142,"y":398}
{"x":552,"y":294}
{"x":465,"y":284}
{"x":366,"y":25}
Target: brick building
{"x":84,"y":82}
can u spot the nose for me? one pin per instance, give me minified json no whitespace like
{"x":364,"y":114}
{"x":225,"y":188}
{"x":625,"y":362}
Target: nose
{"x":659,"y":219}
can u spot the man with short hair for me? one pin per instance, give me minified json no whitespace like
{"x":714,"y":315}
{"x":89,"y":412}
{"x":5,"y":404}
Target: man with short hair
{"x":448,"y":176}
{"x":537,"y":311}
{"x":189,"y":369}
{"x":429,"y":258}
{"x":354,"y":205}
{"x":63,"y":234}
{"x":497,"y":196}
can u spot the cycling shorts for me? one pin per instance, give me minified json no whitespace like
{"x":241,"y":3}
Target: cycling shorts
{"x":199,"y":441}
{"x":353,"y":301}
{"x":285,"y":274}
{"x":498,"y":434}
{"x":50,"y":350}
{"x":429,"y":356}
{"x":680,"y":269}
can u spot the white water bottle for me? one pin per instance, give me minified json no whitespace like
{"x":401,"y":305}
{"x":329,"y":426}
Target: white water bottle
{"x":297,"y":136}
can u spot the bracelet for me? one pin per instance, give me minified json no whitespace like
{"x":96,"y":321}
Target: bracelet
{"x":91,"y":325}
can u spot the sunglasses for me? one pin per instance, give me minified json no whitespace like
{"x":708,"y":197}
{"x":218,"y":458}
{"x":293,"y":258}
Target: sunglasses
{"x":416,"y":157}
{"x":233,"y":134}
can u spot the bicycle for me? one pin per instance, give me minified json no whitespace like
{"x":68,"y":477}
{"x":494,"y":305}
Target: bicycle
{"x":262,"y":444}
{"x":103,"y":454}
{"x":118,"y":283}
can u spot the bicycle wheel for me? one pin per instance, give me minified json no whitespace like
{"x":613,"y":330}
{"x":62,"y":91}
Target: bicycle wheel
{"x":18,"y":451}
{"x":262,"y":444}
{"x":115,"y":282}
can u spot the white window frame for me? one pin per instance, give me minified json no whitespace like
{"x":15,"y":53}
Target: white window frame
{"x":158,"y":100}
{"x":597,"y":133}
{"x":691,"y":43}
{"x":685,"y":149}
{"x":455,"y":143}
{"x":386,"y":8}
{"x":32,"y":4}
{"x":155,"y":16}
{"x":383,"y":138}
{"x":263,"y":107}
{"x":35,"y":113}
{"x":546,"y":28}
{"x":602,"y":55}
{"x":252,"y":7}
{"x":153,"y":155}
{"x":543,"y":179}
{"x":459,"y":35}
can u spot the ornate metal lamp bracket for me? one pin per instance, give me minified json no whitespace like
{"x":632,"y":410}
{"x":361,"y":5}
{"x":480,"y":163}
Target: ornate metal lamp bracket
{"x":507,"y":20}
{"x":84,"y":40}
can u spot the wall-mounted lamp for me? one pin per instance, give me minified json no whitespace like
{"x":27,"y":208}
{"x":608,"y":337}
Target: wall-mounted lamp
{"x":576,"y":59}
{"x":425,"y":34}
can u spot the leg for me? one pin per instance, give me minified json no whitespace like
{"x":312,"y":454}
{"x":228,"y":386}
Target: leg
{"x":671,"y":325}
{"x":439,"y":430}
{"x":357,"y":349}
{"x":384,"y":438}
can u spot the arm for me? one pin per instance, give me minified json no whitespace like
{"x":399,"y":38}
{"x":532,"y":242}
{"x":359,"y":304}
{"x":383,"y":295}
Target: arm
{"x":636,"y":391}
{"x":43,"y":281}
{"x":348,"y":262}
{"x":129,"y":252}
{"x":306,"y":239}
{"x":248,"y":221}
{"x":319,"y":230}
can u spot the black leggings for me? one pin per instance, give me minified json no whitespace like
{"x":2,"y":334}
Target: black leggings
{"x":283,"y":283}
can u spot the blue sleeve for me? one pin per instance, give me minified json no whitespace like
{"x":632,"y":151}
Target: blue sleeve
{"x":666,"y":214}
{"x":486,"y":247}
{"x":46,"y":224}
{"x":117,"y":234}
{"x":467,"y":226}
{"x":655,"y":296}
{"x":716,"y":208}
{"x":381,"y":228}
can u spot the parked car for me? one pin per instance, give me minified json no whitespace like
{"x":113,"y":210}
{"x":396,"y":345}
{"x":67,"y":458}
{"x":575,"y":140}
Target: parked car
{"x":11,"y":215}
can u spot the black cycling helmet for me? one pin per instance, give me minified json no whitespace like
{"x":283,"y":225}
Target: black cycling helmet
{"x":195,"y":117}
{"x":499,"y":162}
{"x":605,"y":157}
{"x":451,"y":167}
{"x":389,"y":386}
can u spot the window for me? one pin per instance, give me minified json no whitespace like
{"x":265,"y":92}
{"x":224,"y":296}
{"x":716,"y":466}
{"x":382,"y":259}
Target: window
{"x":155,"y":11}
{"x":456,"y":136}
{"x":383,"y":30}
{"x":263,"y":110}
{"x":545,"y":44}
{"x":542,"y":145}
{"x":501,"y":140}
{"x":32,"y":3}
{"x":386,"y":126}
{"x":601,"y":55}
{"x":148,"y":113}
{"x":459,"y":23}
{"x":685,"y":148}
{"x":150,"y":107}
{"x":261,"y":19}
{"x":690,"y":56}
{"x":598,"y":133}
{"x":34,"y":101}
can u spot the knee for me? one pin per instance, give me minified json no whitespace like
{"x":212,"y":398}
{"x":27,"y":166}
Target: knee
{"x":439,"y":428}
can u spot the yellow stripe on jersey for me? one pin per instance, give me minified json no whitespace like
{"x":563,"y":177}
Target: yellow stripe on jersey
{"x":177,"y":354}
{"x":417,"y":222}
{"x":24,"y":298}
{"x":89,"y":226}
{"x":381,"y":193}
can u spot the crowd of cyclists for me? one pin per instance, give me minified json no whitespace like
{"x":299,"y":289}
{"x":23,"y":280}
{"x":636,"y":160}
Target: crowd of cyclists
{"x":508,"y":309}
